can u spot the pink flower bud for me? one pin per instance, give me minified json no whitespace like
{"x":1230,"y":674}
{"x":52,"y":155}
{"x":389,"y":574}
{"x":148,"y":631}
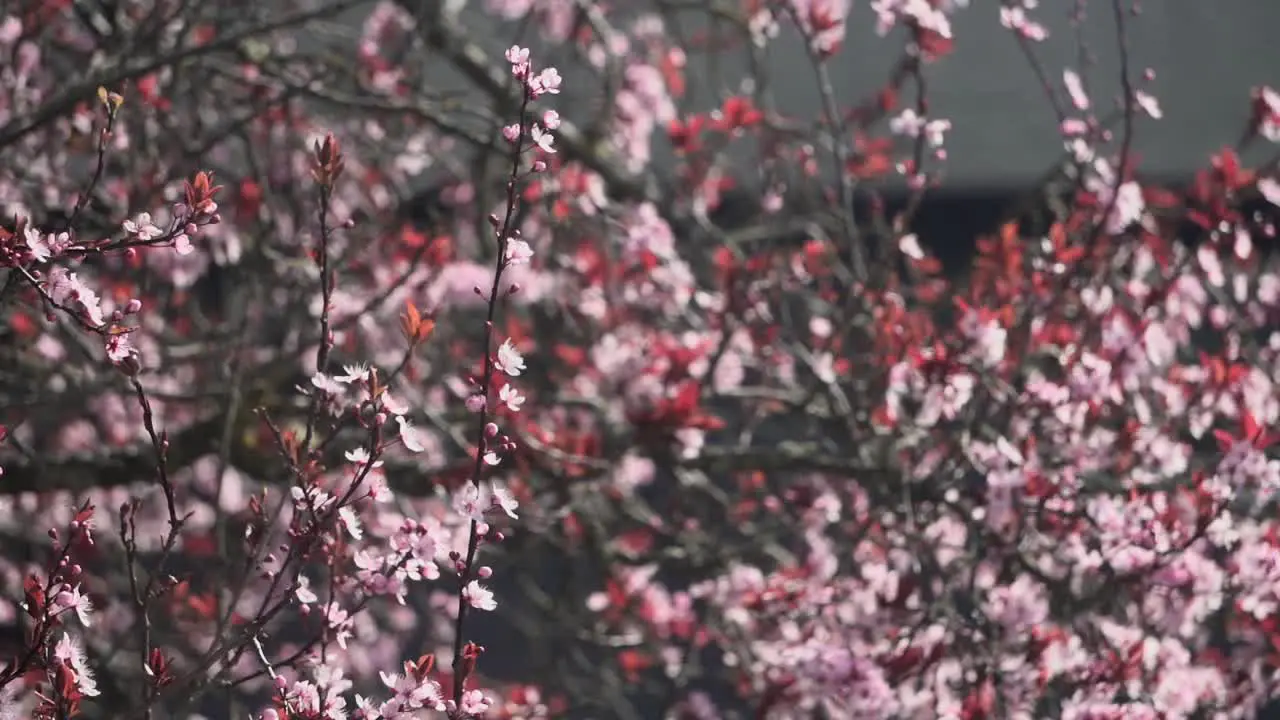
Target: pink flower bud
{"x":490,"y":430}
{"x":539,"y":166}
{"x":134,"y":306}
{"x":484,"y":572}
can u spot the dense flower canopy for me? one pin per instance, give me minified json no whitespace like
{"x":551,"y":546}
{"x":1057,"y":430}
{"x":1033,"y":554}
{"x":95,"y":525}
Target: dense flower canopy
{"x":283,"y":434}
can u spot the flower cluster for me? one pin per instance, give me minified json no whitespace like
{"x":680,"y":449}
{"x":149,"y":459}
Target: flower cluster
{"x":689,"y":422}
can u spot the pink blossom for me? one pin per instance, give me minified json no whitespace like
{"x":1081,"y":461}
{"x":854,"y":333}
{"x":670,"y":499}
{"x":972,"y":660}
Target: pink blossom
{"x":547,"y":82}
{"x":71,"y":652}
{"x":119,"y":347}
{"x":518,"y":251}
{"x":1270,"y":189}
{"x":1075,"y":89}
{"x":1015,"y":18}
{"x":411,"y":694}
{"x":142,"y":228}
{"x":1149,"y":104}
{"x":511,"y":397}
{"x":517,"y":55}
{"x":36,"y":243}
{"x":543,"y":139}
{"x":340,"y":623}
{"x":71,"y":598}
{"x":474,"y":702}
{"x":1268,"y":102}
{"x":509,"y":360}
{"x":303,"y":591}
{"x":479,"y":597}
{"x":10,"y":30}
{"x":468,"y":503}
{"x":504,"y":501}
{"x":414,"y":439}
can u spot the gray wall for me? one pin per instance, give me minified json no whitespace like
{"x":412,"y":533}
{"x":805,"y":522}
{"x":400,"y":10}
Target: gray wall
{"x":1207,"y":55}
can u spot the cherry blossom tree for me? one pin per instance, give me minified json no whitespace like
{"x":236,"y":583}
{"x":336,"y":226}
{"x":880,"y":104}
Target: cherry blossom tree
{"x":359,"y":363}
